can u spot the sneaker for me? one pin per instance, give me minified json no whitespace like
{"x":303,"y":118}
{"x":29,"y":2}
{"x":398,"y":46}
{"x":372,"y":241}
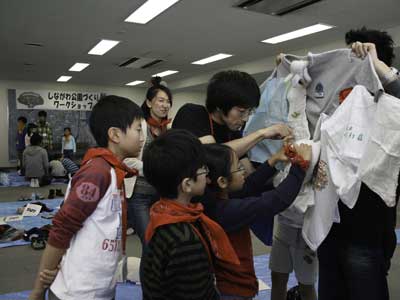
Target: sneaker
{"x":130,"y":231}
{"x":52,"y":194}
{"x":59,"y":193}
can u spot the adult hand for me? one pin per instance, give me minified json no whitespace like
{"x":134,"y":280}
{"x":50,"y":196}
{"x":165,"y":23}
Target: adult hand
{"x":278,"y":58}
{"x":362,"y":50}
{"x":277,"y":132}
{"x":304,"y":150}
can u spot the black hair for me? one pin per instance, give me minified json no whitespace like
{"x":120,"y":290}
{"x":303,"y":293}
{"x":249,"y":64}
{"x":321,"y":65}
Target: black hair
{"x":30,"y":127}
{"x":219,"y":159}
{"x":383,"y":42}
{"x":152,"y":92}
{"x":227,"y":89}
{"x":22,"y":119}
{"x":172,"y":157}
{"x":112,"y":111}
{"x":36,"y":139}
{"x":68,"y":128}
{"x":42,"y":113}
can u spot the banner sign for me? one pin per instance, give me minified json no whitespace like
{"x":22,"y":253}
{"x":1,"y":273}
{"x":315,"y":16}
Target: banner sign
{"x":57,"y":100}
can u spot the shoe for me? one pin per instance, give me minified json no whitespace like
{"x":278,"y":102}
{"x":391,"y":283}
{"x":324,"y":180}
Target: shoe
{"x":130,"y":231}
{"x":52,"y":194}
{"x":59,"y":193}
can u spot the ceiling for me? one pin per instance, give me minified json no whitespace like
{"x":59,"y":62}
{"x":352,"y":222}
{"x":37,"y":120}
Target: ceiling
{"x":188,"y":31}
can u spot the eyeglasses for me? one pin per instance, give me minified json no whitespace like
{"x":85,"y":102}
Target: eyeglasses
{"x":205,"y":172}
{"x":240,"y":169}
{"x":244,"y":112}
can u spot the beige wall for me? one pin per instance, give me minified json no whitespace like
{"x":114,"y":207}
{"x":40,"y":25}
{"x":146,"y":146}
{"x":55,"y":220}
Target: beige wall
{"x":136,"y":94}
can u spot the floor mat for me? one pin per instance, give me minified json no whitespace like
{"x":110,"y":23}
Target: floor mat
{"x":14,"y":180}
{"x":129,"y":291}
{"x":9,"y":209}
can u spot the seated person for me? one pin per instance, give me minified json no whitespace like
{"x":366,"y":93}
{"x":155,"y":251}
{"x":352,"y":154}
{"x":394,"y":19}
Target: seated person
{"x":57,"y":169}
{"x":36,"y":162}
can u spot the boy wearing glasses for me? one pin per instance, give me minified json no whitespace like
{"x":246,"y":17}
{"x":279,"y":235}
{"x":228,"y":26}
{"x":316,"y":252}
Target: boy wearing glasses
{"x":182,"y":242}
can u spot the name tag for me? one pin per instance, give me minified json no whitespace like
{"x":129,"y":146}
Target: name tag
{"x":31,"y":210}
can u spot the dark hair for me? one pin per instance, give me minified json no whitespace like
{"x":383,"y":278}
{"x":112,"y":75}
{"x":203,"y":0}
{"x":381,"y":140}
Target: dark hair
{"x":227,"y":89}
{"x":219,"y":159}
{"x":152,"y":92}
{"x":172,"y":157}
{"x":36,"y":139}
{"x":23,"y":120}
{"x":68,"y":128}
{"x":383,"y":42}
{"x":42,"y":113}
{"x":112,"y":111}
{"x":30,"y":127}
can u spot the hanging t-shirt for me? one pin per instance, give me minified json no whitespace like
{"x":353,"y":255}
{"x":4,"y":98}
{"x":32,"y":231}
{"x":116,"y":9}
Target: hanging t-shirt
{"x":196,"y":119}
{"x":273,"y":109}
{"x":380,"y":164}
{"x":331,"y":73}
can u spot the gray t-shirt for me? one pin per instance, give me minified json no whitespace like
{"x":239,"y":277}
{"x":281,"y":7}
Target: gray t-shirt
{"x":331,"y":73}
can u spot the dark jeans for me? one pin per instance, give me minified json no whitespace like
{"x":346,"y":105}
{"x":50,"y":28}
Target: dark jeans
{"x":20,"y":161}
{"x":139,"y":212}
{"x":69,"y":154}
{"x":351,"y":272}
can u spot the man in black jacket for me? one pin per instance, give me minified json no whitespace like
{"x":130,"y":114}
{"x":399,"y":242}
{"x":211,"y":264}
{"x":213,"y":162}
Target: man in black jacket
{"x":355,"y":257}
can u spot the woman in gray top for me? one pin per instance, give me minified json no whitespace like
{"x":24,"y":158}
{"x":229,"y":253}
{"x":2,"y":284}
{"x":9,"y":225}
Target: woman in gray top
{"x":155,"y":109}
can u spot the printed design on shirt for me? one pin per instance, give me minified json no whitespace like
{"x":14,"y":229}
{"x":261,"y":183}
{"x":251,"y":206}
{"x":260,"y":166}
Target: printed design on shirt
{"x":351,"y":133}
{"x":319,"y":90}
{"x":116,"y":201}
{"x":320,"y":176}
{"x":118,"y":236}
{"x":88,"y":192}
{"x":295,"y":114}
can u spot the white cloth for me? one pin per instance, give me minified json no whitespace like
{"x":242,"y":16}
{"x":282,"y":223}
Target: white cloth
{"x":296,"y":97}
{"x":380,"y":164}
{"x":88,"y":268}
{"x":347,"y":132}
{"x":319,"y":218}
{"x":344,"y":138}
{"x":293,"y":216}
{"x":135,"y":163}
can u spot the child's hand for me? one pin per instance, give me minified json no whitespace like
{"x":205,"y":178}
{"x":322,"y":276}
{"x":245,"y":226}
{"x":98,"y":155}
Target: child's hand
{"x":277,"y":157}
{"x":304,"y":150}
{"x":48,"y":276}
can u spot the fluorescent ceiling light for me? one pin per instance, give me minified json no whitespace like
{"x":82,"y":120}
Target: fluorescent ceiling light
{"x":103,"y":46}
{"x":211,"y":59}
{"x":136,"y":82}
{"x":149,"y":10}
{"x":165,"y":73}
{"x":77,"y":67}
{"x":64,"y":78}
{"x":297,"y":33}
